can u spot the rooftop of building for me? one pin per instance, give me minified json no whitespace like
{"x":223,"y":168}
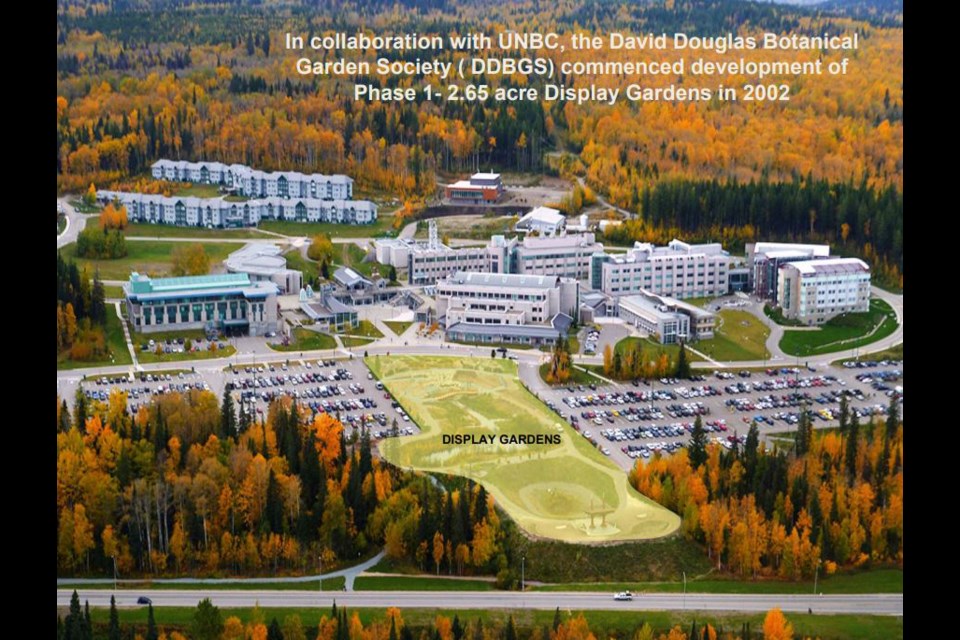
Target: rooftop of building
{"x":546,"y":215}
{"x":662,"y":306}
{"x":144,"y":287}
{"x":257,"y":257}
{"x":802,"y":249}
{"x":831,"y":266}
{"x":506,"y":280}
{"x":348,"y":277}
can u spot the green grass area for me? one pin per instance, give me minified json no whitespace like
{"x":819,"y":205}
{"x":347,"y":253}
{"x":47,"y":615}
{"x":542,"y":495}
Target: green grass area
{"x":116,"y":343}
{"x":478,"y":227}
{"x":113,"y":291}
{"x":699,"y":302}
{"x":162,"y":336}
{"x":365,"y":329}
{"x":310,"y":269}
{"x":145,"y":256}
{"x":397,"y":327}
{"x":874,"y":581}
{"x":329,"y":584}
{"x":844,"y":332}
{"x":197,"y":190}
{"x":235,"y":198}
{"x":652,"y":349}
{"x":81,"y":207}
{"x":776,"y":314}
{"x":61,"y":223}
{"x":615,"y":624}
{"x":351,"y":341}
{"x":739,"y":336}
{"x":549,"y":489}
{"x":306,"y":340}
{"x":383,"y":224}
{"x":893,"y":353}
{"x":352,"y":256}
{"x":139,"y":229}
{"x":577,"y":376}
{"x":418,"y":583}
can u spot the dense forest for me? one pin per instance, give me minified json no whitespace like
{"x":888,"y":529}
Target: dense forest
{"x":81,"y":312}
{"x":189,"y":486}
{"x":833,"y":497}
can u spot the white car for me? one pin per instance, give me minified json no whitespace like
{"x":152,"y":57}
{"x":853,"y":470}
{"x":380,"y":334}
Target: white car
{"x":623,"y":595}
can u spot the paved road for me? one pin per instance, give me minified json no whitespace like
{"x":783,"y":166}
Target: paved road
{"x":873,"y":604}
{"x":76,"y":221}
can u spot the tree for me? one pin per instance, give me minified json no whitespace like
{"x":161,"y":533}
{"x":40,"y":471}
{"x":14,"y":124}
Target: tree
{"x":392,"y":273}
{"x":98,"y":305}
{"x":190,"y":260}
{"x":438,"y":549}
{"x":113,"y":632}
{"x":683,"y":366}
{"x":804,"y":437}
{"x":697,"y":449}
{"x":607,"y":359}
{"x":207,"y":621}
{"x":228,"y":416}
{"x":325,"y":270}
{"x":776,"y":627}
{"x":152,"y":632}
{"x":90,"y":196}
{"x":321,"y":248}
{"x":493,"y":353}
{"x":274,"y":632}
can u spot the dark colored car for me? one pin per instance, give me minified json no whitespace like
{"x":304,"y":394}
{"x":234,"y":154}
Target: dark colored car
{"x":144,"y":600}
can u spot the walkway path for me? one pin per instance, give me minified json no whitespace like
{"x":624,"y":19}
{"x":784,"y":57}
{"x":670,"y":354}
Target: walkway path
{"x":76,"y":221}
{"x":126,"y":336}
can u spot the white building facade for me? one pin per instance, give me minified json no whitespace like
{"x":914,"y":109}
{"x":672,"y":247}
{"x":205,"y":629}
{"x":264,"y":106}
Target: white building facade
{"x":679,"y":270}
{"x":254,"y":183}
{"x":815,"y":291}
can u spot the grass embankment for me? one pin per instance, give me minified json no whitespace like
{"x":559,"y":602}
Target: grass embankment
{"x":197,"y":190}
{"x":116,"y":344}
{"x":310,"y":269}
{"x":875,"y":581}
{"x":365,"y":329}
{"x":893,"y":353}
{"x":419,"y":583}
{"x":146,"y":230}
{"x":844,"y":332}
{"x":329,"y":584}
{"x":577,"y":376}
{"x":383,"y":224}
{"x":602,"y":623}
{"x":153,"y":257}
{"x":397,"y":327}
{"x":306,"y":340}
{"x":739,"y":336}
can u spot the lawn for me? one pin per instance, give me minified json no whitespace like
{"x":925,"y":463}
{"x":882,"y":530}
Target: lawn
{"x":366,"y":329}
{"x":79,"y":205}
{"x":418,"y":583}
{"x":652,"y":350}
{"x":843,"y":332}
{"x":116,"y":343}
{"x":329,"y":584}
{"x":563,"y":489}
{"x":397,"y":327}
{"x":893,"y":353}
{"x":61,"y":223}
{"x":310,"y":269}
{"x":307,"y":340}
{"x":603,"y":624}
{"x":739,"y":336}
{"x":350,"y":341}
{"x":113,"y":291}
{"x":874,"y":581}
{"x":197,"y":190}
{"x":152,"y":257}
{"x":146,"y":357}
{"x":382,"y":224}
{"x":352,"y":256}
{"x":138,"y":229}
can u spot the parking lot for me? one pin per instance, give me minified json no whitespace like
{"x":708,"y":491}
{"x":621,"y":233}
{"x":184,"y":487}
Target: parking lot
{"x":344,"y":388}
{"x":634,"y":420}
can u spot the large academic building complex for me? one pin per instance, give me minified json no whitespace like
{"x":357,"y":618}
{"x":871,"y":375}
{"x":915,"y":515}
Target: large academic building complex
{"x":228,"y":303}
{"x":253,"y":183}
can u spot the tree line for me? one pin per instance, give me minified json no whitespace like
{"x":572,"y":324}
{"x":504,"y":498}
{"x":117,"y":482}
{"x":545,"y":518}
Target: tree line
{"x":81,"y":312}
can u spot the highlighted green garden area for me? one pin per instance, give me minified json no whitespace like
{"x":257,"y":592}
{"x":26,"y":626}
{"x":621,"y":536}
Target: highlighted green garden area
{"x":565,"y":491}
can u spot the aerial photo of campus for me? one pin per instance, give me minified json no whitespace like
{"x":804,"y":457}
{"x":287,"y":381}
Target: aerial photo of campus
{"x":369,"y":351}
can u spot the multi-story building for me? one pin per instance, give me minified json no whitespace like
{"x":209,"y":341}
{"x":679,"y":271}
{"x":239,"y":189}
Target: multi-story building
{"x":765,"y":259}
{"x":326,"y":311}
{"x":679,"y":270}
{"x":667,"y":319}
{"x":254,"y":183}
{"x":216,"y":212}
{"x":488,"y":307}
{"x":813,"y":291}
{"x":481,"y":188}
{"x":567,"y":256}
{"x":230,"y":303}
{"x":264,"y":261}
{"x":544,"y":221}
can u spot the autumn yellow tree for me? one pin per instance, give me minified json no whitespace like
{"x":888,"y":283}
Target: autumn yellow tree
{"x":190,"y":260}
{"x":321,"y":248}
{"x":776,"y":626}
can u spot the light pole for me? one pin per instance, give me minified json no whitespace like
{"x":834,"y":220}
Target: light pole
{"x":523,"y":585}
{"x":684,"y":589}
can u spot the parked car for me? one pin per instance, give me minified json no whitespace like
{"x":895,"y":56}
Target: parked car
{"x":144,"y":600}
{"x":623,"y":595}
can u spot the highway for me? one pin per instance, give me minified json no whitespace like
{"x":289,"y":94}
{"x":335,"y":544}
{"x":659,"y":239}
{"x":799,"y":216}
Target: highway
{"x":868,"y":604}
